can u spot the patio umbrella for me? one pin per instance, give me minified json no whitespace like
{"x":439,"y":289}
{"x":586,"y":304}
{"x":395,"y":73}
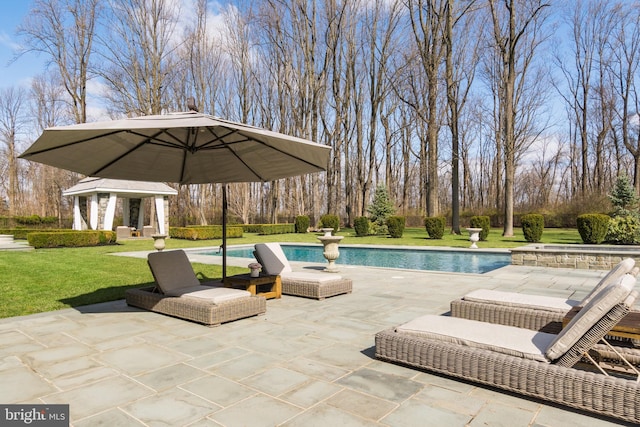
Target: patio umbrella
{"x":185,"y":148}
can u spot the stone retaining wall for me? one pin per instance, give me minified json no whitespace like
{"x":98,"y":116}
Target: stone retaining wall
{"x":589,"y":257}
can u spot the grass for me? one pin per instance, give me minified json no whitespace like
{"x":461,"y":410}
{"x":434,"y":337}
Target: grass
{"x":52,"y":279}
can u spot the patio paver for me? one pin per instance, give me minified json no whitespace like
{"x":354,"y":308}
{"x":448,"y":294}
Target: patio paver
{"x":303,"y":363}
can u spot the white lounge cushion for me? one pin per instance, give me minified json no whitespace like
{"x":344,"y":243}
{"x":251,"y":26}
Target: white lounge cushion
{"x":591,"y":313}
{"x":274,"y":261}
{"x":513,"y":299}
{"x":307,"y":276}
{"x":624,"y":267}
{"x":503,"y":339}
{"x":540,"y":302}
{"x":214,"y":294}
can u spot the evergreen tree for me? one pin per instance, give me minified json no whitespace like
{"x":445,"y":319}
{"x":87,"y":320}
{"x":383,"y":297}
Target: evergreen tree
{"x":623,"y":196}
{"x":380,"y":209}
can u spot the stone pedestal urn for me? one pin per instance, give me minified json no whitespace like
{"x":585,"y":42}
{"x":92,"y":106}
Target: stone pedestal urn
{"x":327,"y":231}
{"x":158,"y":241}
{"x":331,"y":252}
{"x":474,"y":236}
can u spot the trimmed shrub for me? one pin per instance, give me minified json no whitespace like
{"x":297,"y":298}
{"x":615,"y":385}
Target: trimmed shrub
{"x":593,"y":228}
{"x":330,"y":221}
{"x":21,"y":233}
{"x":36,"y":221}
{"x":362,"y":226}
{"x":624,"y":230}
{"x":204,"y":232}
{"x":68,"y":238}
{"x":532,"y":227}
{"x":249,"y":228}
{"x":481,"y":221}
{"x":435,"y":226}
{"x":395,"y":224}
{"x":302,"y":223}
{"x":266,"y":229}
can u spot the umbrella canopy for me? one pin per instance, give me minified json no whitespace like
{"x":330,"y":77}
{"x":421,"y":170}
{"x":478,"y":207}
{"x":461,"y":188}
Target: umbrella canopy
{"x":185,"y":148}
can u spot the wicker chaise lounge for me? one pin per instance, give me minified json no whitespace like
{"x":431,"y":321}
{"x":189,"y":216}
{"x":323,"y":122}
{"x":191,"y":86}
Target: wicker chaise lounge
{"x":540,"y":313}
{"x":299,"y":283}
{"x":527,"y":362}
{"x":544,"y":313}
{"x":179,"y":293}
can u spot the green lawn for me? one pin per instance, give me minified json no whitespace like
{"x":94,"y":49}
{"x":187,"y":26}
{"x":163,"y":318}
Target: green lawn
{"x":51,"y":279}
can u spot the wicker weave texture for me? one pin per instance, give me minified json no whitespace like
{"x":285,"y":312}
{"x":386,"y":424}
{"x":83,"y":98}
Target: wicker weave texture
{"x":610,"y":396}
{"x":593,"y":336}
{"x":527,"y":318}
{"x":317,"y":290}
{"x":539,"y":320}
{"x":195,"y":309}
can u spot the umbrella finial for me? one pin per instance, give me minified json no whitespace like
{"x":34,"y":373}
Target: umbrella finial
{"x":191,"y":104}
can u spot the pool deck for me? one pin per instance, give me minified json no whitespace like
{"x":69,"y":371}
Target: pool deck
{"x":303,"y":363}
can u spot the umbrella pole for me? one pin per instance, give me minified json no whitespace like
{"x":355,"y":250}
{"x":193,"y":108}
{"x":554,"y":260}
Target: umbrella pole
{"x":224,"y":232}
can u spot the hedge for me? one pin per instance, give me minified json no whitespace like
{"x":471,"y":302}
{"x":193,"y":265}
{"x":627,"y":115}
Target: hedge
{"x":204,"y":232}
{"x":21,"y":233}
{"x":266,"y":229}
{"x":70,"y":238}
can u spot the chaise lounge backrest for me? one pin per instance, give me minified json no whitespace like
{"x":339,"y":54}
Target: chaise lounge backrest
{"x":593,"y":321}
{"x":623,"y":267}
{"x":272,"y":258}
{"x":172,"y":271}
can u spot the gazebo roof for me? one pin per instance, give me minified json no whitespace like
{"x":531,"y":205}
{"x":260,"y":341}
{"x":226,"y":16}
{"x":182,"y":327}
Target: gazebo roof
{"x":132,"y":189}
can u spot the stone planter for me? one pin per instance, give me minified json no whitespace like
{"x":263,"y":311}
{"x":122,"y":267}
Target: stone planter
{"x":474,"y":236}
{"x":331,"y":251}
{"x":158,"y":241}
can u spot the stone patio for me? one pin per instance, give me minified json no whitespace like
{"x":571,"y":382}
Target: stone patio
{"x":304,"y":363}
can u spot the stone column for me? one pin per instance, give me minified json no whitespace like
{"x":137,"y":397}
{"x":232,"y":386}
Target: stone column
{"x":110,"y":212}
{"x":95,"y":216}
{"x":82,"y":208}
{"x":162,"y":213}
{"x":133,"y":213}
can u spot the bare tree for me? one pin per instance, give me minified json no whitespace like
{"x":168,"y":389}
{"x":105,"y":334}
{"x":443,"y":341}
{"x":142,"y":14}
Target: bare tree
{"x":587,"y":22}
{"x":64,"y":31}
{"x":48,"y":109}
{"x":137,"y":52}
{"x":516,"y":24}
{"x":459,"y":80}
{"x":12,"y":122}
{"x":428,"y":22}
{"x":624,"y":65}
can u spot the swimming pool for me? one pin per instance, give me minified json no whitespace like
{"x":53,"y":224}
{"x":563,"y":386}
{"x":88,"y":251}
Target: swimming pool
{"x":410,"y":259}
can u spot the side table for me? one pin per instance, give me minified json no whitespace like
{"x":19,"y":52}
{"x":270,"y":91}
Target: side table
{"x":267,"y":286}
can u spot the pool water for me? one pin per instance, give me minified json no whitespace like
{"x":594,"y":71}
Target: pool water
{"x":411,"y":259}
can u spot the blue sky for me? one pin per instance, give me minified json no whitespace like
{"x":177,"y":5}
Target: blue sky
{"x":19,"y":72}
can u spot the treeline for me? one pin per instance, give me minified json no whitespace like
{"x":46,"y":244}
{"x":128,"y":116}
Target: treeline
{"x":458,"y":107}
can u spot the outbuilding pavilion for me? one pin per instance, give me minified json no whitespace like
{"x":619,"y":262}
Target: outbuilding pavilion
{"x":95,"y":201}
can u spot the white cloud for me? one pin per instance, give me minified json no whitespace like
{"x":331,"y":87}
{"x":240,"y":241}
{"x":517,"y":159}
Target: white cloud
{"x":8,"y":41}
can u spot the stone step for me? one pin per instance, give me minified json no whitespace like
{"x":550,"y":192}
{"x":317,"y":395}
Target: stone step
{"x":8,"y":244}
{"x":6,"y":238}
